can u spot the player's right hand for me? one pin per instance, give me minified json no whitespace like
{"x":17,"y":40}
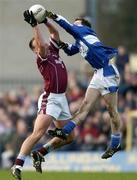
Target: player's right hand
{"x":29,"y":18}
{"x":51,"y":15}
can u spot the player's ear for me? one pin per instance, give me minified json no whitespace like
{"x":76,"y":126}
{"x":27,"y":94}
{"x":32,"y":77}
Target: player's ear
{"x":31,"y":44}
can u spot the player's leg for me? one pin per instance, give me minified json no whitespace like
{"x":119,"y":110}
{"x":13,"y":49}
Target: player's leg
{"x":111,"y":102}
{"x":90,"y":98}
{"x":53,"y":144}
{"x":58,"y":108}
{"x":41,"y":124}
{"x":57,"y":142}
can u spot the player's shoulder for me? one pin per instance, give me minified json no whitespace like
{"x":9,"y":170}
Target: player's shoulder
{"x":39,"y":58}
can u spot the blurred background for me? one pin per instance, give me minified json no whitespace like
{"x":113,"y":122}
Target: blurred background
{"x":115,"y":22}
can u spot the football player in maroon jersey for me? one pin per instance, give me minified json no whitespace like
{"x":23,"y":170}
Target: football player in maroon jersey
{"x":52,"y":104}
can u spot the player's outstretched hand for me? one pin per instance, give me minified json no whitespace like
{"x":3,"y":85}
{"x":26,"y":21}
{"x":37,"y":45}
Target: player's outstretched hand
{"x":50,"y":15}
{"x":29,"y":18}
{"x":63,"y":45}
{"x":57,"y":133}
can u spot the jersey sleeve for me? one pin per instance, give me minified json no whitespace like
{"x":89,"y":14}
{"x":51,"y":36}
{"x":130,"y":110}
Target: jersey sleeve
{"x":65,"y":24}
{"x":71,"y":49}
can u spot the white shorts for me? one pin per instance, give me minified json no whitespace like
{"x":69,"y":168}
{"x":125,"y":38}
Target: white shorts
{"x":106,"y":80}
{"x":55,"y":105}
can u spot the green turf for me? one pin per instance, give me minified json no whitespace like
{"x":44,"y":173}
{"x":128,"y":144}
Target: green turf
{"x":5,"y":175}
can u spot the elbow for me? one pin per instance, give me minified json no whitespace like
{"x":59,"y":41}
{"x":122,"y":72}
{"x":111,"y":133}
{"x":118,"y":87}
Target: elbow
{"x":56,"y":33}
{"x":41,"y":46}
{"x":71,"y":53}
{"x":68,"y":54}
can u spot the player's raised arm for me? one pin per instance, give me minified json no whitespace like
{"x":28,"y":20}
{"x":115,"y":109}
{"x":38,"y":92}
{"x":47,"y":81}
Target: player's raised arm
{"x":54,"y":34}
{"x":69,"y":49}
{"x":39,"y":40}
{"x":62,"y":22}
{"x":29,"y":18}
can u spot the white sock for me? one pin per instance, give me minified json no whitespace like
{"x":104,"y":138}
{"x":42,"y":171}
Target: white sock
{"x":48,"y":147}
{"x":22,"y":157}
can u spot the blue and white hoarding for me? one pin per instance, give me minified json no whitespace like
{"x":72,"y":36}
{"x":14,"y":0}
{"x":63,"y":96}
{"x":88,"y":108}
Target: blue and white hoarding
{"x":88,"y":162}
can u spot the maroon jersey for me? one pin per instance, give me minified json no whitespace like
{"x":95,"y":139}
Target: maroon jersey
{"x":53,"y":70}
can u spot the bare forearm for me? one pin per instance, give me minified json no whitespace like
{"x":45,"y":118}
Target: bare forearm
{"x":52,"y":30}
{"x":38,"y":36}
{"x":51,"y":27}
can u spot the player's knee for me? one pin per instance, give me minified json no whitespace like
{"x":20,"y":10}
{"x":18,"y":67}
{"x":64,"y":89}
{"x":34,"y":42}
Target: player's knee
{"x":112,"y":111}
{"x":86,"y":104}
{"x":85,"y":101}
{"x":114,"y":116}
{"x":37,"y":134}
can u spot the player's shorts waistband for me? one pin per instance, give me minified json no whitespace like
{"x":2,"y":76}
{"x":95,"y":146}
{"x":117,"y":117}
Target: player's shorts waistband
{"x":55,"y":94}
{"x":113,"y":65}
{"x":109,"y":70}
{"x":109,"y":64}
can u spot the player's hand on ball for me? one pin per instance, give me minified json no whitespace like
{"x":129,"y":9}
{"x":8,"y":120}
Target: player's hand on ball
{"x":50,"y":15}
{"x":29,"y":18}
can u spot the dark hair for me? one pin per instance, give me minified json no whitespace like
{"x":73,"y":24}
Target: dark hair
{"x":83,"y":21}
{"x":31,"y":43}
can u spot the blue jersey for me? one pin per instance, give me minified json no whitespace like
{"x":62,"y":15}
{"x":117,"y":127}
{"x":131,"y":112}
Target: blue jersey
{"x":87,"y":43}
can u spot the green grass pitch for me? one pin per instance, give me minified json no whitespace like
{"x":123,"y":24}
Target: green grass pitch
{"x":5,"y":175}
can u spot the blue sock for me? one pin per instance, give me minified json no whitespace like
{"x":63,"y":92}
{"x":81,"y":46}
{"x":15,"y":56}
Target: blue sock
{"x":115,"y":140}
{"x":68,"y":128}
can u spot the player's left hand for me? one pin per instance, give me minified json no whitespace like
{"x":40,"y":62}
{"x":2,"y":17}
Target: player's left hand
{"x":29,"y":18}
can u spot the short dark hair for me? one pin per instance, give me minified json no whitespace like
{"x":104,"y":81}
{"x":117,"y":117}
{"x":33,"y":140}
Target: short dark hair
{"x":31,"y":43}
{"x":83,"y":21}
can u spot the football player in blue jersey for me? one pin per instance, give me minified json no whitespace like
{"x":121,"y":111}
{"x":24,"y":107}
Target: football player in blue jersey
{"x":105,"y":80}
